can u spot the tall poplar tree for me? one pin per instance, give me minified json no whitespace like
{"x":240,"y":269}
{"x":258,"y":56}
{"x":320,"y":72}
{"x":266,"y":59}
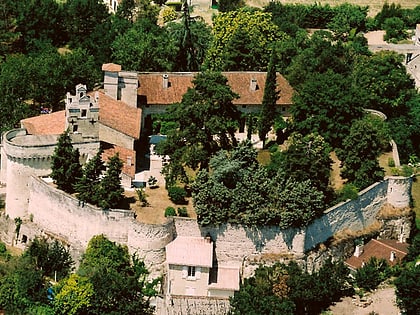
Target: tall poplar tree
{"x":109,"y":193}
{"x":271,"y":95}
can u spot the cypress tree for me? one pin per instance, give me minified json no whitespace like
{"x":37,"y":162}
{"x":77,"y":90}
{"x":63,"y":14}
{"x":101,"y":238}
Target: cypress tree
{"x":270,"y":97}
{"x":65,"y":165}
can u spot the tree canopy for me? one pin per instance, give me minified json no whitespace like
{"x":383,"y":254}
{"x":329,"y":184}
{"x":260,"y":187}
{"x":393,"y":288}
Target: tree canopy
{"x":206,"y":119}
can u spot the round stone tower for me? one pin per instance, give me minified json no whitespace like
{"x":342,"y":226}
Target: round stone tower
{"x":399,"y":191}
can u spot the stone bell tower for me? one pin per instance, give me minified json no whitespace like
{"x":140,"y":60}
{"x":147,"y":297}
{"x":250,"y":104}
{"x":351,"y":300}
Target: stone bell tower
{"x":82,"y":113}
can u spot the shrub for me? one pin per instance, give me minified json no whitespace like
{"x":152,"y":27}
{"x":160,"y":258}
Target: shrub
{"x":142,"y":197}
{"x":182,"y":212}
{"x":372,"y":274}
{"x":177,"y":195}
{"x":170,"y":212}
{"x":169,"y":14}
{"x":152,"y":182}
{"x":349,"y":191}
{"x":391,"y":162}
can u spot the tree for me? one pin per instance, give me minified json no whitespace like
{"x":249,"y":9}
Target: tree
{"x":244,"y":36}
{"x":239,"y":190}
{"x":206,"y":120}
{"x":23,"y":287}
{"x":360,"y":151}
{"x":65,"y":165}
{"x":193,"y":39}
{"x":73,"y":295}
{"x":145,"y":47}
{"x":348,"y":20}
{"x":308,"y":158}
{"x":120,"y":283}
{"x":408,"y":290}
{"x":394,"y":29}
{"x":8,"y":34}
{"x":40,"y":24}
{"x":268,"y":111}
{"x":327,"y":104}
{"x":109,"y":192}
{"x":287,"y":289}
{"x":371,"y":274}
{"x":51,"y":258}
{"x":383,"y":81}
{"x":86,"y":186}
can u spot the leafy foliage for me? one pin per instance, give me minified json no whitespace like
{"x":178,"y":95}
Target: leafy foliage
{"x":119,"y":281}
{"x":370,"y":275}
{"x":52,"y":258}
{"x":243,"y":40}
{"x":65,"y":165}
{"x":408,"y":289}
{"x":87,"y":185}
{"x":239,"y":190}
{"x":151,"y":45}
{"x":327,"y":104}
{"x":207,"y":120}
{"x":170,"y":212}
{"x":286,"y":289}
{"x":177,"y":195}
{"x":109,"y":192}
{"x":360,"y":151}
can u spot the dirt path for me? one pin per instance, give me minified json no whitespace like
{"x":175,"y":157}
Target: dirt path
{"x":381,"y":302}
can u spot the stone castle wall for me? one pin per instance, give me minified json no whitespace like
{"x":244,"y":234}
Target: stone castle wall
{"x":62,"y":216}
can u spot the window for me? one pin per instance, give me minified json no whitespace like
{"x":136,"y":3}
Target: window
{"x":191,"y":272}
{"x":75,"y":127}
{"x":84,"y":113}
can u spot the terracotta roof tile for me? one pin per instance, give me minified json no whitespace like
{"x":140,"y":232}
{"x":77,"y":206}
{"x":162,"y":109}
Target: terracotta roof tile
{"x":190,"y":251}
{"x":46,"y":124}
{"x":127,"y":156}
{"x":119,"y":116}
{"x":379,"y":249}
{"x":151,"y":90}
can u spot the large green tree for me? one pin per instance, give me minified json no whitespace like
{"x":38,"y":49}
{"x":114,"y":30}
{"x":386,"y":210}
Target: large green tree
{"x":145,"y":47}
{"x":327,"y":104}
{"x":287,"y":289}
{"x":237,"y":189}
{"x":408,"y":289}
{"x":242,"y":41}
{"x":120,"y":282}
{"x":383,"y":81}
{"x":360,"y":151}
{"x":207,"y":120}
{"x":65,"y":164}
{"x":308,"y":158}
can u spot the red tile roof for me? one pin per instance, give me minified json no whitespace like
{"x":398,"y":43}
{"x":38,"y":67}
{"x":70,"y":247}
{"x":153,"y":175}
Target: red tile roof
{"x":125,"y":155}
{"x":152,"y":92}
{"x":119,"y":116}
{"x":379,"y":249}
{"x":46,"y":124}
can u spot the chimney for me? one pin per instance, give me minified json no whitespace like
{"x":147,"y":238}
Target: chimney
{"x":393,"y":256}
{"x":358,"y":251}
{"x":253,"y":85}
{"x":165,"y":81}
